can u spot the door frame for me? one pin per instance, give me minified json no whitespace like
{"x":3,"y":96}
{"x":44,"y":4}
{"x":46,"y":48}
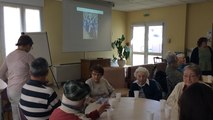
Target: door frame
{"x":146,"y":53}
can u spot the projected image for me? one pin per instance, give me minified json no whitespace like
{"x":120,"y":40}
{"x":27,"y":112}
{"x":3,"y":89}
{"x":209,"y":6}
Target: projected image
{"x":90,"y":25}
{"x":90,"y":22}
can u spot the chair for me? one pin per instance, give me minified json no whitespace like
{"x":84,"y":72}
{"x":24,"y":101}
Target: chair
{"x":161,"y":78}
{"x":116,"y":77}
{"x":170,"y":86}
{"x":161,"y":66}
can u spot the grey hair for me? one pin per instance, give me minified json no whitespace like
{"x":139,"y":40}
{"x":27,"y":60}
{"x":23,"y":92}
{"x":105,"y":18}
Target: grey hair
{"x":141,"y":69}
{"x":180,"y":55}
{"x":195,"y":68}
{"x":39,"y":67}
{"x":171,"y":58}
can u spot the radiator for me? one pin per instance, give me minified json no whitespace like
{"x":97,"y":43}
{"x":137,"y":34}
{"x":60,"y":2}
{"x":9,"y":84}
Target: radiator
{"x":66,"y":72}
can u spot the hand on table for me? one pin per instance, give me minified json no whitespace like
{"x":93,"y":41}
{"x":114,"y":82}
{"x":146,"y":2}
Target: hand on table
{"x":103,"y":107}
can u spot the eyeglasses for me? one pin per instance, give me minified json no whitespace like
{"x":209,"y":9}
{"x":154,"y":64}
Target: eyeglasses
{"x":190,"y":76}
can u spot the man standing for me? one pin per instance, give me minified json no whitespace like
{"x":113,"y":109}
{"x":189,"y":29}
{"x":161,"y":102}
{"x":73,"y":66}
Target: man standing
{"x":15,"y":70}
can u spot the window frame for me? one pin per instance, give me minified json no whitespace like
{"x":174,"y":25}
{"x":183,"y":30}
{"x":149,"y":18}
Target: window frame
{"x":147,"y":53}
{"x":23,"y":23}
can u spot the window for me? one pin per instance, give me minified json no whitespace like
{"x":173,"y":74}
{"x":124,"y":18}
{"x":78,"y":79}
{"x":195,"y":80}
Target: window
{"x":17,"y":19}
{"x":12,"y":27}
{"x":147,"y":43}
{"x":32,"y":25}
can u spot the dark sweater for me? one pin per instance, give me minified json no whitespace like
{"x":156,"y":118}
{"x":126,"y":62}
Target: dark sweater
{"x":195,"y":55}
{"x":151,"y":91}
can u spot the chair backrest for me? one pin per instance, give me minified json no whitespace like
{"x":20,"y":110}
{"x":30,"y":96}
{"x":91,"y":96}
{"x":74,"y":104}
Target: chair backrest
{"x":170,"y":85}
{"x":160,"y":77}
{"x":161,"y":66}
{"x":131,"y":70}
{"x":115,"y":76}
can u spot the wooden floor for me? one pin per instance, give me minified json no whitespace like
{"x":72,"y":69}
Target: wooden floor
{"x":6,"y":110}
{"x":7,"y":116}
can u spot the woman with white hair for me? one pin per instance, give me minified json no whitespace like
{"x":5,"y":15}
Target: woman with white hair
{"x":181,"y":60}
{"x":147,"y":88}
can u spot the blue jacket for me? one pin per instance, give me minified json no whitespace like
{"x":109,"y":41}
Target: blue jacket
{"x":151,"y":91}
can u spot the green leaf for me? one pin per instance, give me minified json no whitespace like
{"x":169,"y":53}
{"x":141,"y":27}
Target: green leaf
{"x":123,"y":51}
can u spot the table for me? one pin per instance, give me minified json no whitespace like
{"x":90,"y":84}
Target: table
{"x":208,"y":79}
{"x":129,"y":108}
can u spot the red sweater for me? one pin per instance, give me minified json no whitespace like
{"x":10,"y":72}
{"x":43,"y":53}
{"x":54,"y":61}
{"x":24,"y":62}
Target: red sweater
{"x":58,"y":114}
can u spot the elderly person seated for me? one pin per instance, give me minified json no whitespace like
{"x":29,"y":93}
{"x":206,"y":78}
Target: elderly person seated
{"x":74,"y":103}
{"x":173,"y":75}
{"x":191,"y":74}
{"x":147,"y":88}
{"x":181,"y":61}
{"x":100,"y":87}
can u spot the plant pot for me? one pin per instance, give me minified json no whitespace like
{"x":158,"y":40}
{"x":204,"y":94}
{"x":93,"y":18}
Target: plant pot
{"x":121,"y":63}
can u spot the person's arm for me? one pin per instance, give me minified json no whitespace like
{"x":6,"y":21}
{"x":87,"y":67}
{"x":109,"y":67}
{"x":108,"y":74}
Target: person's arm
{"x":93,"y":115}
{"x":172,"y":100}
{"x":88,"y":82}
{"x":157,"y":91}
{"x":109,"y":87}
{"x":3,"y":71}
{"x":194,"y":56}
{"x":30,"y":58}
{"x":54,"y":101}
{"x":96,"y":113}
{"x":131,"y":90}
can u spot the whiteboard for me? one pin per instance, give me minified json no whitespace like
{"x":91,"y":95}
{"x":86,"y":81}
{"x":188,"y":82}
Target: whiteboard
{"x":40,"y":46}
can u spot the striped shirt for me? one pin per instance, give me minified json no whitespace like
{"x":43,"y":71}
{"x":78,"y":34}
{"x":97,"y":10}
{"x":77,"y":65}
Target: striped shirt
{"x":38,"y":100}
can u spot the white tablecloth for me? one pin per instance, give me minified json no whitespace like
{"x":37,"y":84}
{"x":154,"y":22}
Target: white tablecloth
{"x":129,"y":108}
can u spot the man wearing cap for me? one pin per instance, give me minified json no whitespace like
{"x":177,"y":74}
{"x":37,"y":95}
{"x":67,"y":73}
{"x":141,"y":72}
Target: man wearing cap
{"x":15,"y":70}
{"x":73,"y":103}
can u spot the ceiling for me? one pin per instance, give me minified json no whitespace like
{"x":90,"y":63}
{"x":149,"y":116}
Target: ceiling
{"x":131,"y":5}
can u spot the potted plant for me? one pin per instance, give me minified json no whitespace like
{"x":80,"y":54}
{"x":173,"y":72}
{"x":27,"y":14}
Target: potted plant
{"x":123,"y":50}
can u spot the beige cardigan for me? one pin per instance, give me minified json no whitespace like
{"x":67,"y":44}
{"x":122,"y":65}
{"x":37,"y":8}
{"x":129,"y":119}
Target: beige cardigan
{"x":173,"y":98}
